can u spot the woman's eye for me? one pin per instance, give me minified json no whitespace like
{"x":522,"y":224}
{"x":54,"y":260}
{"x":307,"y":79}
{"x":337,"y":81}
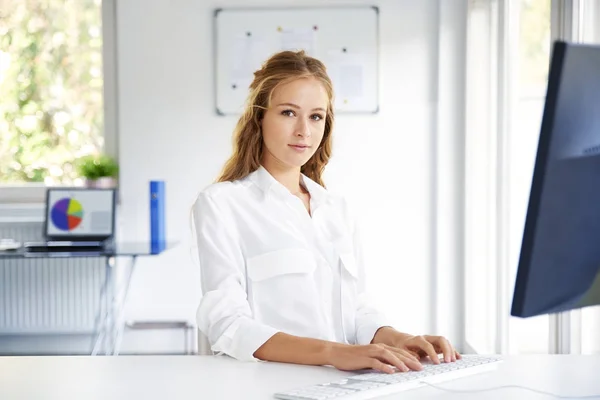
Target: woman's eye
{"x":288,"y":113}
{"x":317,"y":117}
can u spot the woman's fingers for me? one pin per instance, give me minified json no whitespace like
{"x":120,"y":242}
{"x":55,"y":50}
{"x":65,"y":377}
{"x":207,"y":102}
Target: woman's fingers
{"x":407,"y":357}
{"x":443,"y":346}
{"x":385,"y":357}
{"x":381,"y":353}
{"x":407,"y":353}
{"x":415,"y":354}
{"x":428,"y":348}
{"x":457,"y":355}
{"x":380,"y":366}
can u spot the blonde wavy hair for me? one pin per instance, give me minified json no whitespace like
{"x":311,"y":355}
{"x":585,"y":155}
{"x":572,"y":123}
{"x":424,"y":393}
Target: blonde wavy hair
{"x":279,"y":69}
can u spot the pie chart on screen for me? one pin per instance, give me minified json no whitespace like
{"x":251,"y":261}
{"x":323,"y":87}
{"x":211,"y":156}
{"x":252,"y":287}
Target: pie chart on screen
{"x":67,"y":214}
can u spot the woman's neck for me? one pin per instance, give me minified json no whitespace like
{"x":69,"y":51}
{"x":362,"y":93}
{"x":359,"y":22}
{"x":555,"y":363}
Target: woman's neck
{"x":287,"y":176}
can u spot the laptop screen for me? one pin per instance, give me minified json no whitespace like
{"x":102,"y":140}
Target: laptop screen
{"x":80,"y":213}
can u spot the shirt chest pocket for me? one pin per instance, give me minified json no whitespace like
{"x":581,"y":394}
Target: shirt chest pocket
{"x":281,"y":287}
{"x":345,"y":248}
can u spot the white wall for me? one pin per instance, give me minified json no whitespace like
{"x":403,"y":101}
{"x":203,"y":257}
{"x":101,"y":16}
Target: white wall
{"x":384,"y":163}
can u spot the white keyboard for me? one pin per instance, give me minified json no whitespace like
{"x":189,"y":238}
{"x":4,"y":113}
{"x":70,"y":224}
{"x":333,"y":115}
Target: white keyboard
{"x":370,"y":385}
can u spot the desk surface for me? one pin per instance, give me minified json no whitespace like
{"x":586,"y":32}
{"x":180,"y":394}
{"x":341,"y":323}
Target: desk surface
{"x":208,"y":377}
{"x":129,"y":249}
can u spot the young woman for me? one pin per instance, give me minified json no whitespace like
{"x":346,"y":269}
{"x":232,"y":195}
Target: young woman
{"x":281,"y":267}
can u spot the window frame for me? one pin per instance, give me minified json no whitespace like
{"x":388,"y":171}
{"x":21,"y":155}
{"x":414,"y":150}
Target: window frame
{"x":486,"y":198}
{"x":29,"y":193}
{"x":488,"y":96}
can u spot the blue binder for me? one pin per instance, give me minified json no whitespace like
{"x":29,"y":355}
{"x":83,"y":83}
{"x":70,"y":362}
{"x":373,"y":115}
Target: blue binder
{"x":157,"y":216}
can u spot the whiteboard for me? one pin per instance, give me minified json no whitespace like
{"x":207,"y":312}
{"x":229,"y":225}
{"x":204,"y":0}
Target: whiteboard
{"x":345,"y":39}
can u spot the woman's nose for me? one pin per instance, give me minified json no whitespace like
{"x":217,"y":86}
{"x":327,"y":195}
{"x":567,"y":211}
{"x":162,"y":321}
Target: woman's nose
{"x":303,"y":129}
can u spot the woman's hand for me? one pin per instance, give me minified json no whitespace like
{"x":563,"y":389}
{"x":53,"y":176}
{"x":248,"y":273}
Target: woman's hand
{"x":423,"y":346}
{"x":380,"y":357}
{"x":429,"y":346}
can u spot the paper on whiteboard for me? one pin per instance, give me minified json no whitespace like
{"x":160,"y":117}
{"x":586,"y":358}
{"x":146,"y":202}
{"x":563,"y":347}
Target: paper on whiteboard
{"x":351,"y":78}
{"x":347,"y":71}
{"x":247,"y":54}
{"x":299,"y":39}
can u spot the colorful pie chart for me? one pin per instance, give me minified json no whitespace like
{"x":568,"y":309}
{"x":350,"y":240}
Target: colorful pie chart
{"x":67,"y":214}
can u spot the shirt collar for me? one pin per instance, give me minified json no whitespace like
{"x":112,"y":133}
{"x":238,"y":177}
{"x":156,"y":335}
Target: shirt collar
{"x":269,"y":185}
{"x":317,"y":192}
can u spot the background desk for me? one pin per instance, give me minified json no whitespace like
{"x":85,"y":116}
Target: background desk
{"x":108,"y":321}
{"x":212,"y":378}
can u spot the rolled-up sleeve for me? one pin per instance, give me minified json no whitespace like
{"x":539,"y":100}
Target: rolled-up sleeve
{"x":368,"y":318}
{"x":224,"y":314}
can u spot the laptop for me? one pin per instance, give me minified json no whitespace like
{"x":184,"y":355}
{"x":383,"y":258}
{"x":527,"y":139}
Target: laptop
{"x":77,"y":219}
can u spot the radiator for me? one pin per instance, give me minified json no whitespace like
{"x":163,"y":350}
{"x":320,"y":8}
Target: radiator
{"x":47,"y":296}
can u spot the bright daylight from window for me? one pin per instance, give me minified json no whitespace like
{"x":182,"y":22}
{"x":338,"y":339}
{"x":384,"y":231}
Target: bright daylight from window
{"x":590,"y":317}
{"x":530,"y":335}
{"x":51,"y":88}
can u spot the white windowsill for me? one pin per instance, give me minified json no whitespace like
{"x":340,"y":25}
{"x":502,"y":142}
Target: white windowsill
{"x":29,"y":193}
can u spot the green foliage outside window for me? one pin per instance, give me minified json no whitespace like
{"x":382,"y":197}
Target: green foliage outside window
{"x":534,"y":48}
{"x":51,"y":108}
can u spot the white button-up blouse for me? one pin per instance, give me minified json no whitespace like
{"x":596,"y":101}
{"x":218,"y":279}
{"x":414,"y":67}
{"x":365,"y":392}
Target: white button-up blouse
{"x":268,"y":266}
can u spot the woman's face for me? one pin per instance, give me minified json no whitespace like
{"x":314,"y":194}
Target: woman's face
{"x":294,"y":124}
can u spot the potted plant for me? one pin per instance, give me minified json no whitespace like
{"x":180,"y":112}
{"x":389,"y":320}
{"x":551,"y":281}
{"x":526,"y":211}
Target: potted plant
{"x":99,"y":171}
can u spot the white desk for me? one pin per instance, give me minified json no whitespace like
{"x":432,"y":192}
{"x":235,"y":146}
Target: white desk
{"x":211,"y":378}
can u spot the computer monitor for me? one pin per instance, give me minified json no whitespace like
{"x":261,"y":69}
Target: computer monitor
{"x":79,"y":214}
{"x":559,"y":264}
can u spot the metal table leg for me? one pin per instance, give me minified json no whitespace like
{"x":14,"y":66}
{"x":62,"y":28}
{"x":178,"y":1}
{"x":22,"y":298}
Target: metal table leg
{"x":103,"y":314}
{"x":109,"y":324}
{"x":119,"y":323}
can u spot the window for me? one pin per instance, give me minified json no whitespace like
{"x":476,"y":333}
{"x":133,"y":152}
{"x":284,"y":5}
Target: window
{"x":590,"y":317}
{"x":481,"y":217}
{"x":507,"y":67}
{"x":509,"y":46}
{"x":51,"y":88}
{"x":590,"y":21}
{"x":534,"y":41}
